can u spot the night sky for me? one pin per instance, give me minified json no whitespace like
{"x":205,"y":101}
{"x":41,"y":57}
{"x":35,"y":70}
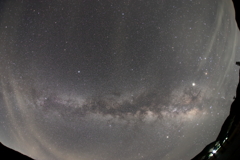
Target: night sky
{"x":116,"y":80}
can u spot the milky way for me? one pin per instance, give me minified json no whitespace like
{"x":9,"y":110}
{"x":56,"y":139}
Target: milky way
{"x":127,"y":80}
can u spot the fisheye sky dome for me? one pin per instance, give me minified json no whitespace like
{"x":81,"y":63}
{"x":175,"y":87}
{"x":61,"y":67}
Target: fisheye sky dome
{"x":116,"y":80}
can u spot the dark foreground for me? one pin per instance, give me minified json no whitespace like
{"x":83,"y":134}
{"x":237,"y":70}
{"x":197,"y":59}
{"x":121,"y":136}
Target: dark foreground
{"x":8,"y":153}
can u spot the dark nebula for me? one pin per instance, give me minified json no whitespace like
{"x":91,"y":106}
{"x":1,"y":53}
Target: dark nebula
{"x":115,"y":80}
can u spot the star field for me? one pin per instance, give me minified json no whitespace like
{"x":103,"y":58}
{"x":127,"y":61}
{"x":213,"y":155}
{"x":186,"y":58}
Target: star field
{"x":122,"y":80}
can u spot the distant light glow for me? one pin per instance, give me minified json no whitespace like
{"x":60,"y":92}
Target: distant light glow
{"x":116,"y":78}
{"x":210,"y":155}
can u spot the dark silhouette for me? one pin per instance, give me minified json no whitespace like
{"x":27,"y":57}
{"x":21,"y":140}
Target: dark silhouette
{"x":226,"y":146}
{"x":233,"y":117}
{"x":7,"y":153}
{"x":236,"y":4}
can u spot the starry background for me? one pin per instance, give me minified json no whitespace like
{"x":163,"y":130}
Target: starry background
{"x":122,"y":80}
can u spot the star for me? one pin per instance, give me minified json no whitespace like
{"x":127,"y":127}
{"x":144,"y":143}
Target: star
{"x":111,"y":79}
